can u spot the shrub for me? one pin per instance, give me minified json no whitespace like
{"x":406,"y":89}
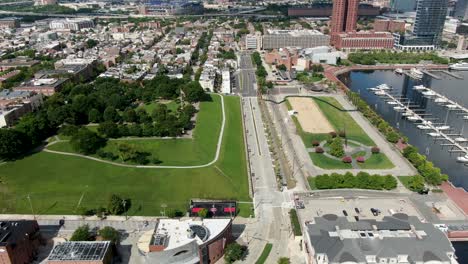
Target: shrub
{"x":347,"y":159}
{"x":319,"y":150}
{"x":336,"y":147}
{"x":375,"y":150}
{"x":234,"y":252}
{"x":342,"y":134}
{"x":315,"y":143}
{"x":110,"y":234}
{"x":82,"y":233}
{"x":360,"y":159}
{"x":332,"y":134}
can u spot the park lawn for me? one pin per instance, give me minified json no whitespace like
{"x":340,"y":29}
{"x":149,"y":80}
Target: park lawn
{"x":358,"y":154}
{"x":377,"y":161}
{"x":405,"y":180}
{"x":339,"y":119}
{"x":182,"y":151}
{"x":149,"y":107}
{"x":56,"y":182}
{"x":325,"y":162}
{"x":311,"y":181}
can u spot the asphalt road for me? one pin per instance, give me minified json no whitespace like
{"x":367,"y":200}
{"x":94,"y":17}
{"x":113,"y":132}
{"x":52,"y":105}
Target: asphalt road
{"x":246,"y":80}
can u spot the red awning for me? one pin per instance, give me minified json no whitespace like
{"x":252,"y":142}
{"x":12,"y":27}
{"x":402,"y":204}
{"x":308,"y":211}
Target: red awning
{"x":196,"y":209}
{"x":229,"y":209}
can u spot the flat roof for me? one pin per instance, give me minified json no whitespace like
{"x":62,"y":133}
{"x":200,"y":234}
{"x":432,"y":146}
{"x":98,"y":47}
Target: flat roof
{"x":79,"y":251}
{"x":12,"y":231}
{"x":294,"y":33}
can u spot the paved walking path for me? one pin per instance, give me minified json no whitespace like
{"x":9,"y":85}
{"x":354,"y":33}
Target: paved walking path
{"x":218,"y":150}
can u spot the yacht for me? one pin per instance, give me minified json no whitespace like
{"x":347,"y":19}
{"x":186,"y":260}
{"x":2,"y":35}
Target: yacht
{"x":442,"y":127}
{"x":392,"y":103}
{"x":415,"y":73}
{"x":413,"y":118}
{"x":463,"y":159}
{"x":428,"y":93}
{"x":461,"y":66}
{"x":465,"y":117}
{"x":399,"y":70}
{"x":424,"y":127}
{"x":451,"y":106}
{"x":373,"y":89}
{"x":379,"y":92}
{"x":419,"y":87}
{"x":434,"y":134}
{"x":407,"y":113}
{"x":384,"y":86}
{"x":398,"y":108}
{"x":441,"y":100}
{"x":461,"y":139}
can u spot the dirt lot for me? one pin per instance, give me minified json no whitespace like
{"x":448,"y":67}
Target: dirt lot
{"x":310,"y":116}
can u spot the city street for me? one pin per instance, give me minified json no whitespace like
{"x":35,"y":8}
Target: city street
{"x":246,"y":77}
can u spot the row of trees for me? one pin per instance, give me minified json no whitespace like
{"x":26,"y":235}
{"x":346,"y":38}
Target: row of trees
{"x":261,"y":72}
{"x":394,"y":57}
{"x":428,"y":171}
{"x":84,"y":233}
{"x":362,"y":180}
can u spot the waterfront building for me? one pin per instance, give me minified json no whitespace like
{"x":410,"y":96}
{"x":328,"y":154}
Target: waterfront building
{"x":364,"y":41}
{"x":275,"y":39}
{"x":428,"y":26}
{"x":394,"y":239}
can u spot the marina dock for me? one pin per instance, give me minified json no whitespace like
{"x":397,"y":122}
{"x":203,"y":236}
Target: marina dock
{"x":436,"y":130}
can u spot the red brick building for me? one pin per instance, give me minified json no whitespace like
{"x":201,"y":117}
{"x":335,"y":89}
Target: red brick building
{"x":344,"y":17}
{"x":364,"y":41}
{"x":383,"y":25}
{"x":19,"y":241}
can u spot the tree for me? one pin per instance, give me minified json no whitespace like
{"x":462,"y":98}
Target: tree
{"x":416,"y":183}
{"x":109,"y":129}
{"x":86,"y":141}
{"x":284,"y":260}
{"x":118,"y":205}
{"x":82,"y":233}
{"x":194,"y":92}
{"x":129,"y":115}
{"x":110,"y":114}
{"x":12,"y":144}
{"x":282,"y":67}
{"x":91,"y":43}
{"x":110,"y":234}
{"x":233,"y":252}
{"x":203,"y":213}
{"x":336,"y":147}
{"x":389,"y":182}
{"x":94,"y":116}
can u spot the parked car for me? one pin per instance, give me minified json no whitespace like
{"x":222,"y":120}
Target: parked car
{"x":345,"y":213}
{"x":357,"y":210}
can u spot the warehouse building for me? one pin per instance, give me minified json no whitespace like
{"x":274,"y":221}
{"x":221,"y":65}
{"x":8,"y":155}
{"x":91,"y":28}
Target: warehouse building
{"x":275,"y":39}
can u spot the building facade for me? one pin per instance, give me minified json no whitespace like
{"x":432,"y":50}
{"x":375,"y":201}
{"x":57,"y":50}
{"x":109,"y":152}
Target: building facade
{"x":461,"y":10}
{"x":275,"y":39}
{"x":344,"y":16}
{"x":430,"y":19}
{"x":364,"y":41}
{"x":251,"y":41}
{"x":71,"y":24}
{"x":9,"y":22}
{"x":403,"y":5}
{"x":384,"y":25}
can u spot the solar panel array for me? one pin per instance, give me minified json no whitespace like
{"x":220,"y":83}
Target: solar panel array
{"x":79,"y":251}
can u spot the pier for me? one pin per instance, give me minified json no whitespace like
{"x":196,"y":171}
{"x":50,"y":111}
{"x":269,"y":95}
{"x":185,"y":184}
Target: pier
{"x":435,"y":130}
{"x":450,"y":74}
{"x":431,"y":74}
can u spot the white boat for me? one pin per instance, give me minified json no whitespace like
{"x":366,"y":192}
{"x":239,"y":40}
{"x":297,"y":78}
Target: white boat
{"x":442,"y":127}
{"x":461,"y":139}
{"x":441,"y":100}
{"x":428,"y":93}
{"x":392,"y":103}
{"x":415,"y":73}
{"x":419,"y":87}
{"x":399,"y":70}
{"x":461,"y":66}
{"x":398,"y":108}
{"x":463,"y":159}
{"x":413,"y":118}
{"x":373,"y":89}
{"x":423,"y":127}
{"x":434,"y":134}
{"x":379,"y":92}
{"x":465,"y":117}
{"x":451,"y":106}
{"x":408,"y":113}
{"x":384,"y":86}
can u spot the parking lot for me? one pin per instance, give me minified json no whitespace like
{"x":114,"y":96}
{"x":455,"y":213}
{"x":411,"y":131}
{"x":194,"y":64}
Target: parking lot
{"x":360,"y":207}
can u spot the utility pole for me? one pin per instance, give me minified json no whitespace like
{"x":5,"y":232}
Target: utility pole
{"x":124,"y":202}
{"x":32,"y":209}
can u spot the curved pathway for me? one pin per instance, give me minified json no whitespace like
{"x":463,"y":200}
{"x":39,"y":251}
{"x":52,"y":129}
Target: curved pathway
{"x":218,"y":150}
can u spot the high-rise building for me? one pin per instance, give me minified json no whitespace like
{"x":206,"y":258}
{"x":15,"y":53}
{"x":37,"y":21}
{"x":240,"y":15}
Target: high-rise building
{"x":461,"y":10}
{"x":430,"y":19}
{"x":403,"y":5}
{"x":344,"y":16}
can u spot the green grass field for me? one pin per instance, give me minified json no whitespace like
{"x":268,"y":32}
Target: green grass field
{"x":55,"y":183}
{"x":265,"y":253}
{"x":339,"y":119}
{"x":149,"y":107}
{"x":181,"y":152}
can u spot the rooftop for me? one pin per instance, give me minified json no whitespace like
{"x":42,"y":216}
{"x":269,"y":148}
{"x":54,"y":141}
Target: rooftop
{"x":12,"y":231}
{"x":294,"y":33}
{"x":395,"y":236}
{"x":79,"y":251}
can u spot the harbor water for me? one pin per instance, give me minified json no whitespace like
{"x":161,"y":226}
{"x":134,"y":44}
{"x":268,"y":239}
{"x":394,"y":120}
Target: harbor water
{"x":453,"y":88}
